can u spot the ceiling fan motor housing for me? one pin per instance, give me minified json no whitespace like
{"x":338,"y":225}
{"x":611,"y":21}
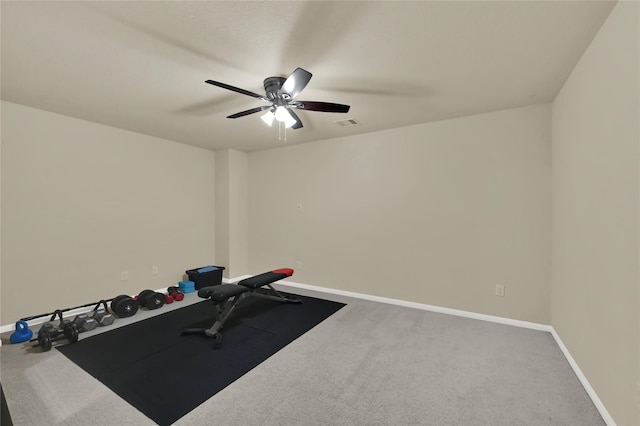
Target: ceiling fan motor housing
{"x":272,"y":86}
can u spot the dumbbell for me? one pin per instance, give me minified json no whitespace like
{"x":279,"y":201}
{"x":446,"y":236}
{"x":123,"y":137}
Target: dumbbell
{"x":124,"y":306}
{"x":151,"y":299}
{"x":102,"y":317}
{"x":175,"y":293}
{"x":171,"y":297}
{"x":49,"y":333}
{"x":101,"y":314}
{"x":84,"y":322}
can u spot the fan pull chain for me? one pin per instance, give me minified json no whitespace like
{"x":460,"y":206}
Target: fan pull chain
{"x":280,"y":126}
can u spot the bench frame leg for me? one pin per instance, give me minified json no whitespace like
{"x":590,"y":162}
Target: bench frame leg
{"x":223,"y":310}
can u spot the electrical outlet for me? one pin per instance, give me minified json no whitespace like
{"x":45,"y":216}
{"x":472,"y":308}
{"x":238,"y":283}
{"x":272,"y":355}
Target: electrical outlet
{"x":299,"y":207}
{"x":500,"y":290}
{"x":299,"y":264}
{"x":154,"y":270}
{"x":124,"y":275}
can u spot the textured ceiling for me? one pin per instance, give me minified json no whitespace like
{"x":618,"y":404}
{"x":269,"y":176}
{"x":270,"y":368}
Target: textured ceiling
{"x":141,"y":65}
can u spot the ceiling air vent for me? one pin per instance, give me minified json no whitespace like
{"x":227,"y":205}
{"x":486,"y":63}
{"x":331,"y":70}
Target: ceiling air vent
{"x":348,"y":122}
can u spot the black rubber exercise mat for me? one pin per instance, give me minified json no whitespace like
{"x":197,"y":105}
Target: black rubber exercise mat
{"x":165,"y":375}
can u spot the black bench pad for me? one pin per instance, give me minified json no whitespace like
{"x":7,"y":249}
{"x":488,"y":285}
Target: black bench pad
{"x":220,"y":293}
{"x":266,"y":278}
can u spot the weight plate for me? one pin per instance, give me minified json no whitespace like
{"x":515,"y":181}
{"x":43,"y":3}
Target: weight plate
{"x":126,"y":307}
{"x":116,"y":300}
{"x":44,"y":340}
{"x":155,"y":300}
{"x":143,"y":298}
{"x":71,"y":333}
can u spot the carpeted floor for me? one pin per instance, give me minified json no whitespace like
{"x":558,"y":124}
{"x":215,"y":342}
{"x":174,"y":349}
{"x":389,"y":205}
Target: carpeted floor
{"x":368,"y":364}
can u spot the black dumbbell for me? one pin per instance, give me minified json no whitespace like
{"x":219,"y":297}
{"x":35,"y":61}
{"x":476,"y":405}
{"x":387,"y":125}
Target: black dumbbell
{"x":49,"y":333}
{"x":151,"y":299}
{"x":102,"y":315}
{"x":84,"y":322}
{"x":124,"y":306}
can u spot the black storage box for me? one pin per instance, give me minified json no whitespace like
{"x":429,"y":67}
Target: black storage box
{"x":205,"y":278}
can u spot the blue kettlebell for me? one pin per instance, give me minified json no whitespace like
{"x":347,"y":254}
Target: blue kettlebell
{"x":22,"y":333}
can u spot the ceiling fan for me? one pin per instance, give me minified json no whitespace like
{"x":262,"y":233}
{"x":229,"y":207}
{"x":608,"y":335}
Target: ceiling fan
{"x":280,"y":93}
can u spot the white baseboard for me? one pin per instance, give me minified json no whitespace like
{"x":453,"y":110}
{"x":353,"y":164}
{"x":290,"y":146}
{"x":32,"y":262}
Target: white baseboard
{"x":583,"y":379}
{"x":432,"y":308}
{"x":422,"y":306}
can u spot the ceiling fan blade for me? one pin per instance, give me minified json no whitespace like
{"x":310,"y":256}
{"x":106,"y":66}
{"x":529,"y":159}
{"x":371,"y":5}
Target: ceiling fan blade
{"x":236,"y":89}
{"x":295,"y":83}
{"x":298,"y":124}
{"x":249,"y":111}
{"x":320,"y":106}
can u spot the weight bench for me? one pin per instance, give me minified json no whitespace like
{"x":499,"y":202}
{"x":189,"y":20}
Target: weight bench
{"x":226,"y":297}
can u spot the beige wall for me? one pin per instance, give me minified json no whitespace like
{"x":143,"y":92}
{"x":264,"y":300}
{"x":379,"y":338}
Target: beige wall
{"x":82,"y":202}
{"x":231,"y":212}
{"x":437,"y":213}
{"x":222,"y":210}
{"x":238,"y":213}
{"x":595,"y":297}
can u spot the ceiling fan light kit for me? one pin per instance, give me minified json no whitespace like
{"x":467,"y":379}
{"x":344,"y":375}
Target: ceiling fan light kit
{"x":280,"y":93}
{"x":268,"y":118}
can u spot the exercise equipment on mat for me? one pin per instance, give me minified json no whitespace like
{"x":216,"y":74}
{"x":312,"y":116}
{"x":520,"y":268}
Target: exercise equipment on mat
{"x":58,"y":310}
{"x":187,"y":286}
{"x":225,"y":298}
{"x":84,"y":323}
{"x":175,"y":294}
{"x":101,"y":314}
{"x":124,"y":306}
{"x":50,"y":332}
{"x":22,"y":333}
{"x":173,"y":297}
{"x":151,"y":299}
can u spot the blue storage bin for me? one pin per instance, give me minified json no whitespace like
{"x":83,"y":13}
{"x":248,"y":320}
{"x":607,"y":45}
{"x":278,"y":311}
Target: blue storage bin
{"x":206,"y":276}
